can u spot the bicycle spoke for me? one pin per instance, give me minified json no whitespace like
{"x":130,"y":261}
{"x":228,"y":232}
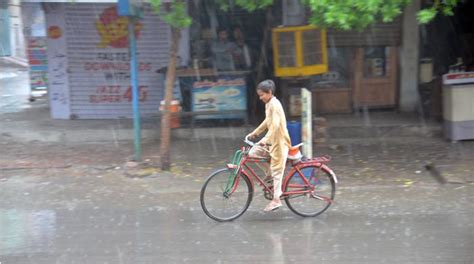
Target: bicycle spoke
{"x":322,"y":198}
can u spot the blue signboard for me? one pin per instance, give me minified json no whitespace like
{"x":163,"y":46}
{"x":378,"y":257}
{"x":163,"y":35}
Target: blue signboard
{"x":223,"y":95}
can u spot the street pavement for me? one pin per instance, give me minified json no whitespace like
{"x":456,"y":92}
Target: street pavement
{"x":68,"y":194}
{"x":98,"y":215}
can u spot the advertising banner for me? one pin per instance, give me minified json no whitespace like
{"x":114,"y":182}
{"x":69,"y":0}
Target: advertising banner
{"x":223,"y":95}
{"x":38,"y":60}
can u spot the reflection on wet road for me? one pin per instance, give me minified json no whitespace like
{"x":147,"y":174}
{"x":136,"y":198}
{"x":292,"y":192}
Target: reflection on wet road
{"x":27,"y":231}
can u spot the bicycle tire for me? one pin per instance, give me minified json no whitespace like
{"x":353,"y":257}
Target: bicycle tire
{"x":323,"y":182}
{"x":207,"y":198}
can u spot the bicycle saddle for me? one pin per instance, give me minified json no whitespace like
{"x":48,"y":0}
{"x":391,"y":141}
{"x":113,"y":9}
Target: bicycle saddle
{"x":294,"y":153}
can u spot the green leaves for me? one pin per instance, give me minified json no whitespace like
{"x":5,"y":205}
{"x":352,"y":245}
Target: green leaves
{"x":175,"y":13}
{"x":358,"y":14}
{"x":177,"y":16}
{"x":156,"y":5}
{"x":444,"y":6}
{"x":447,"y":11}
{"x":426,"y":15}
{"x":353,"y":14}
{"x":252,"y":5}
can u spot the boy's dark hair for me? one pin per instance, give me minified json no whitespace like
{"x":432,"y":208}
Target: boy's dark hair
{"x":266,"y":86}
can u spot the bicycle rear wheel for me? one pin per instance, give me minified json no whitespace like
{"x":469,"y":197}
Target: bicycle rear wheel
{"x":320,"y":191}
{"x":223,"y":200}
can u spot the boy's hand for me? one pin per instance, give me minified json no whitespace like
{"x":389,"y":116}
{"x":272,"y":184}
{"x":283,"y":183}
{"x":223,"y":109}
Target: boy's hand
{"x":251,"y":136}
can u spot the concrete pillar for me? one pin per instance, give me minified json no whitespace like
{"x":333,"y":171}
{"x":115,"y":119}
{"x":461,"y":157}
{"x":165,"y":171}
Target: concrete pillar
{"x":409,"y":56}
{"x":293,"y":13}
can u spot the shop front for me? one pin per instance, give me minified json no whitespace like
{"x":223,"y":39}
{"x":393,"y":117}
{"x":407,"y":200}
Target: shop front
{"x":362,"y":72}
{"x":222,"y":54}
{"x":89,"y":63}
{"x":367,"y":64}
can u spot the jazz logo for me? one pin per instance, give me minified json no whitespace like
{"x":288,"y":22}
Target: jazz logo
{"x":113,"y":29}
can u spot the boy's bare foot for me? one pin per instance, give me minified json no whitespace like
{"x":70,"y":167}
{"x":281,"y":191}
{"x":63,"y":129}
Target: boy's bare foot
{"x":272,"y":206}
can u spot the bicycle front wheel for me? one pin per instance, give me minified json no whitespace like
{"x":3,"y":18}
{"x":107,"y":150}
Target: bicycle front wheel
{"x":313,"y":196}
{"x":223,"y":198}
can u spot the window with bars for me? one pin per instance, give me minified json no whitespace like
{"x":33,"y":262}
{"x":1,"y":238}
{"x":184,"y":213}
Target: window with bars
{"x":299,"y":51}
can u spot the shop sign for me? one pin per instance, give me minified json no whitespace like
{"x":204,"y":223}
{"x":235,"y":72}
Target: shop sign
{"x":458,"y":78}
{"x":223,"y":95}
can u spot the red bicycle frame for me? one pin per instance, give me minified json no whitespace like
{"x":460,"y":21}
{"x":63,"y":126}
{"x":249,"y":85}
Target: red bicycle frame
{"x":318,"y":162}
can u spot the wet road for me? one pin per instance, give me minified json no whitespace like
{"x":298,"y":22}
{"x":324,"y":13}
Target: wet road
{"x":103,"y":217}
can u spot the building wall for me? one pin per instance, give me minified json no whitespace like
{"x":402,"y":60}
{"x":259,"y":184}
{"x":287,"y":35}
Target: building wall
{"x":409,"y":56}
{"x":17,"y":40}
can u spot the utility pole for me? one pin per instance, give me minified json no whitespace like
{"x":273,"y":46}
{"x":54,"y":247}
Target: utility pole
{"x":131,"y":9}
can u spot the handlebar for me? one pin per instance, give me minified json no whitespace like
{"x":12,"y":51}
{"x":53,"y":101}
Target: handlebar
{"x":248,"y":142}
{"x":251,"y":143}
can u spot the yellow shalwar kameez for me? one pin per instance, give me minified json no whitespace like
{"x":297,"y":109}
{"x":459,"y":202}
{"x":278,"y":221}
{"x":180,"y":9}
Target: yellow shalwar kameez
{"x":279,"y":140}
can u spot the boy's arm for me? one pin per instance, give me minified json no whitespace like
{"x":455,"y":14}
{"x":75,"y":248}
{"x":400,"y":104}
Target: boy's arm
{"x":262,"y":127}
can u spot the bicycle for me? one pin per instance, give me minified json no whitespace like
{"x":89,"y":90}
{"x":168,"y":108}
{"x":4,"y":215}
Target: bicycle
{"x":308,"y":188}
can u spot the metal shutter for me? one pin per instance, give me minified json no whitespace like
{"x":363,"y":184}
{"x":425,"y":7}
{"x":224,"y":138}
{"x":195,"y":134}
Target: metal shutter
{"x":99,"y":76}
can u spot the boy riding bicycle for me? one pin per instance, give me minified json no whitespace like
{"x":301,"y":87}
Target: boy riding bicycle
{"x":276,"y":143}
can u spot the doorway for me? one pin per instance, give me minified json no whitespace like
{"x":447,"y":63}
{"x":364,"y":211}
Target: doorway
{"x":375,"y":77}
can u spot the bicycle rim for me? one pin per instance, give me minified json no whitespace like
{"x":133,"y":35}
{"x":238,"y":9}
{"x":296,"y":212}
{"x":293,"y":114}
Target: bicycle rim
{"x":221,"y":205}
{"x":321,"y":191}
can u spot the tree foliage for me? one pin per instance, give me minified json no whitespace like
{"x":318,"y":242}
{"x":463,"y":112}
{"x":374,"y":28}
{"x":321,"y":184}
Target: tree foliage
{"x":174,"y":13}
{"x":444,"y":6}
{"x":249,"y":5}
{"x":353,"y":14}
